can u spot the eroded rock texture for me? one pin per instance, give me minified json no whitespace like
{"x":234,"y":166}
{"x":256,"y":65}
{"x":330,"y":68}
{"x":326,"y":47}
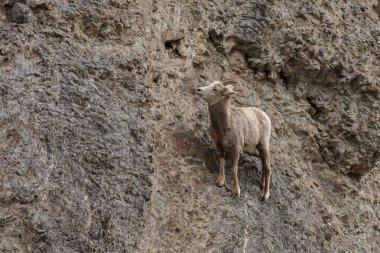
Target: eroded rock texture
{"x":75,"y":165}
{"x":104,"y":148}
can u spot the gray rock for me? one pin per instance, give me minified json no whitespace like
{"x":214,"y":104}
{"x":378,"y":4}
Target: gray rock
{"x":20,"y":13}
{"x":10,"y":3}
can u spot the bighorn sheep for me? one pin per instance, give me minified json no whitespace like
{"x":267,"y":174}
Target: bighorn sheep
{"x":237,"y":129}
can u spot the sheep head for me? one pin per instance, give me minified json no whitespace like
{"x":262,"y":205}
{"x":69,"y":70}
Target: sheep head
{"x":215,"y":92}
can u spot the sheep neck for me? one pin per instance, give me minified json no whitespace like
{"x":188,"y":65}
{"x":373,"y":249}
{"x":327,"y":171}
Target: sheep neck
{"x":220,"y":114}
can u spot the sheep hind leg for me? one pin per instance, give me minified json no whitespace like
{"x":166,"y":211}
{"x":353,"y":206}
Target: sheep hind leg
{"x":234,"y":168}
{"x":262,"y":181}
{"x":256,"y":153}
{"x":266,"y":171}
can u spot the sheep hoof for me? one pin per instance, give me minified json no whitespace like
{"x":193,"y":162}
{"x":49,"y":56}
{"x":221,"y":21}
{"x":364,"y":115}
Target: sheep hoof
{"x":220,"y":182}
{"x":236,"y":192}
{"x":264,"y":196}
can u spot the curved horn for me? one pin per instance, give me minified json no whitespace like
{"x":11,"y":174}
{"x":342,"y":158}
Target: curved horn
{"x":234,"y":81}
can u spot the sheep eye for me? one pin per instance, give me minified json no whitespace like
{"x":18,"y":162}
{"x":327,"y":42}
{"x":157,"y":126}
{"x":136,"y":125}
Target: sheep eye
{"x":215,"y":89}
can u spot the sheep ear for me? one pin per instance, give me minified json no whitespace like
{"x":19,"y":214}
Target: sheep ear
{"x":227,"y":91}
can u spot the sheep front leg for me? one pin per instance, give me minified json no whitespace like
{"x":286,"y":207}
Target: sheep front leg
{"x":222,"y":162}
{"x":234,"y":169}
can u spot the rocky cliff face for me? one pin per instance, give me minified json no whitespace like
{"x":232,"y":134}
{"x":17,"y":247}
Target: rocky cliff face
{"x":75,"y":151}
{"x":104,"y":148}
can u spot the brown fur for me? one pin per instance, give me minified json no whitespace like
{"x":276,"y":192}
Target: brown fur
{"x":220,"y":120}
{"x":237,"y":129}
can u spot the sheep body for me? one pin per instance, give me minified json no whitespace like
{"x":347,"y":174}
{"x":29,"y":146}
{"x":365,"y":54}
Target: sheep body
{"x":236,"y":130}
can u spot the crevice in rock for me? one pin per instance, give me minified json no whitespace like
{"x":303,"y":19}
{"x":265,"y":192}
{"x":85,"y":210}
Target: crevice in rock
{"x":311,"y":100}
{"x":284,"y":78}
{"x":355,"y":176}
{"x":358,"y":171}
{"x":216,"y":39}
{"x":172,"y":46}
{"x":267,"y":74}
